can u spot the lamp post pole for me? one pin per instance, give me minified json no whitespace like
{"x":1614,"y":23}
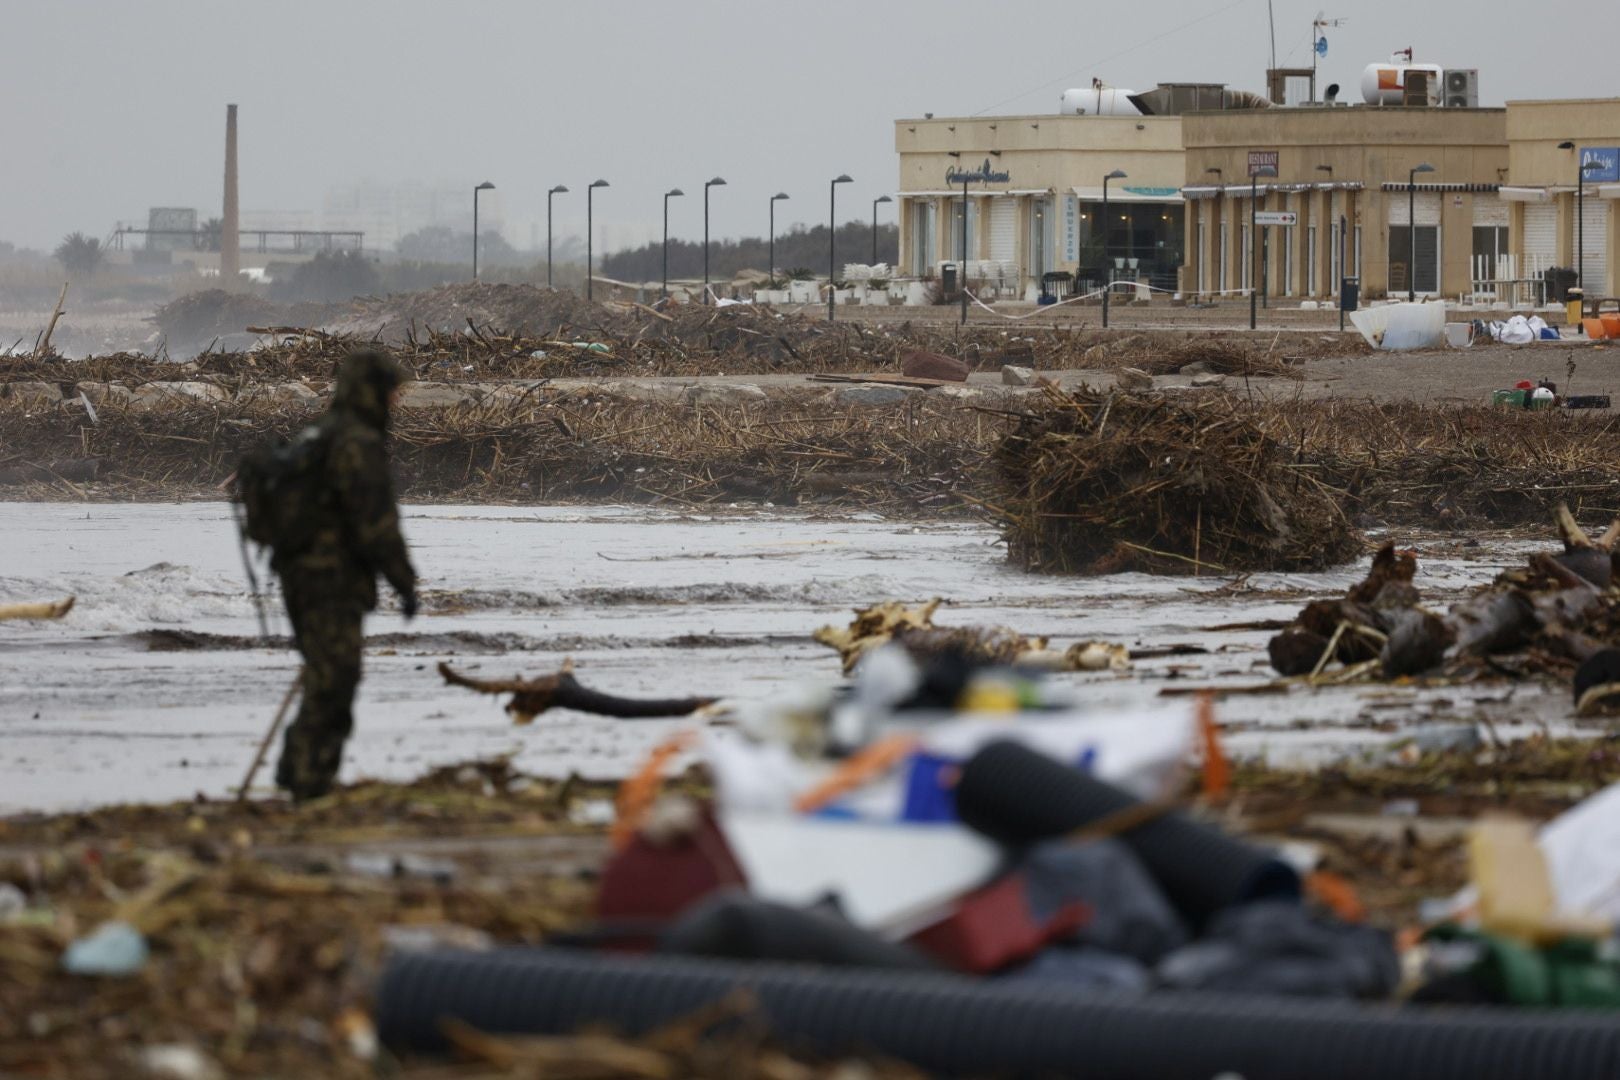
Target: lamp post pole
{"x":1108,"y":264}
{"x":1255,"y":173}
{"x":671,"y":193}
{"x":962,"y":279}
{"x":485,"y":186}
{"x":590,"y":192}
{"x":716,"y":182}
{"x":558,"y":190}
{"x":832,"y":241}
{"x":879,"y":199}
{"x":778,"y":195}
{"x":1411,"y":229}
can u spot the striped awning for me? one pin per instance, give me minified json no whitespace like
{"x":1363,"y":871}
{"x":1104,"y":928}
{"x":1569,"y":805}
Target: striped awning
{"x":1400,"y":185}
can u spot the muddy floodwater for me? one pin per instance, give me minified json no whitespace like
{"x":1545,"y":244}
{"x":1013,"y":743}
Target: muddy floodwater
{"x":156,"y":687}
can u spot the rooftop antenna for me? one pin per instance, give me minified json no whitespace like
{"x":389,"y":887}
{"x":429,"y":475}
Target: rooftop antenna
{"x":1319,"y":42}
{"x":1271,"y":18}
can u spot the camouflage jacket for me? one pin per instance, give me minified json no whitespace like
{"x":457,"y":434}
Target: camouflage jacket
{"x":356,"y":521}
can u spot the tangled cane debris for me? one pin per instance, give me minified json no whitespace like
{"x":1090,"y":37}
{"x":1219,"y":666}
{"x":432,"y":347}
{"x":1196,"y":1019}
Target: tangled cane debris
{"x":1099,"y":483}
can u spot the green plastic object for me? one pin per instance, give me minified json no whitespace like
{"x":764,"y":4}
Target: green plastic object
{"x":1511,"y":398}
{"x":1573,"y":973}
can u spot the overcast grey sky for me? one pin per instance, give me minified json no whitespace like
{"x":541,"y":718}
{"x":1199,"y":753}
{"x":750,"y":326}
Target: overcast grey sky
{"x":108,"y":107}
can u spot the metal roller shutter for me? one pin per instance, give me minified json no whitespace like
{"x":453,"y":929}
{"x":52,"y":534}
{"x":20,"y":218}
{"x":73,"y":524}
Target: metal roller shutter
{"x":1003,"y":229}
{"x":1594,"y":260}
{"x":1540,"y":237}
{"x":1489,"y":209}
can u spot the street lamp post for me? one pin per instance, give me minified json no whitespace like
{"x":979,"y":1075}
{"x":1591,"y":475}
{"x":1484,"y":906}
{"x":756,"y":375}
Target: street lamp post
{"x":778,"y":195}
{"x":1255,"y":173}
{"x":832,"y":240}
{"x":671,"y":193}
{"x":879,"y":199}
{"x":1108,"y":265}
{"x":716,"y":182}
{"x":961,"y":276}
{"x":558,"y":190}
{"x":589,"y":233}
{"x":485,"y":186}
{"x":1581,"y":169}
{"x":1411,"y":229}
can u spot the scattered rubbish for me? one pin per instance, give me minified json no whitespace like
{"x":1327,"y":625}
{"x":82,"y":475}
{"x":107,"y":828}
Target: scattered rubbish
{"x":177,"y":1061}
{"x":1400,"y":327}
{"x":417,"y":937}
{"x":382,"y":865}
{"x":913,"y":628}
{"x":112,"y":949}
{"x":1282,"y":948}
{"x":932,"y":365}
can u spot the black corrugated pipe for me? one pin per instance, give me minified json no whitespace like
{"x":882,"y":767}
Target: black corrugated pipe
{"x":1018,"y":796}
{"x":951,"y":1024}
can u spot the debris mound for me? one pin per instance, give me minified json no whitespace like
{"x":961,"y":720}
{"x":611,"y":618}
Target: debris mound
{"x":200,"y":317}
{"x":1099,"y":483}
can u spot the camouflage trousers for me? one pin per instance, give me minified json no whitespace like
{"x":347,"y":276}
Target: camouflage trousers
{"x":326,"y":630}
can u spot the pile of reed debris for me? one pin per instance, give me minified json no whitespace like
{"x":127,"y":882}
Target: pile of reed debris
{"x":1099,"y":483}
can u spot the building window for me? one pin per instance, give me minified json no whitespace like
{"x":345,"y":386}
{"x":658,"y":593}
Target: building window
{"x":1425,"y":248}
{"x":954,"y":246}
{"x":923,"y":237}
{"x":1490,"y":252}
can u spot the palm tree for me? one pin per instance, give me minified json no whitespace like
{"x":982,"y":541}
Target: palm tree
{"x":79,"y":254}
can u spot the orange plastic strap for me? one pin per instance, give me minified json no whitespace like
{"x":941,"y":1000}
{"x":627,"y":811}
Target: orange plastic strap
{"x":1217,"y":769}
{"x":1337,"y":893}
{"x":636,"y":794}
{"x":871,"y":761}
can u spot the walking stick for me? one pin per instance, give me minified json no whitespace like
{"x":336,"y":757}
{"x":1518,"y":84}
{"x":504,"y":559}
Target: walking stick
{"x":269,"y":736}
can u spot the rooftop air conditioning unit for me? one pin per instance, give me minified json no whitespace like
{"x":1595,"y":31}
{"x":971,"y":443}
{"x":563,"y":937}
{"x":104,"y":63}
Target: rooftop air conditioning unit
{"x":1461,"y":88}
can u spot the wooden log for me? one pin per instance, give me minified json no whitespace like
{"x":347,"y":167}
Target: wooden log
{"x":531,"y":697}
{"x":51,"y":609}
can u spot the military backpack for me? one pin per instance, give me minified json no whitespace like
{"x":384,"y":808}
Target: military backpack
{"x":279,"y":485}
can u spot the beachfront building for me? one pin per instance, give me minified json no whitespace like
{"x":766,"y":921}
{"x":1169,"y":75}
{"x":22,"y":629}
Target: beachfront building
{"x":1033,"y":202}
{"x":1346,"y":174}
{"x":1563,"y":189}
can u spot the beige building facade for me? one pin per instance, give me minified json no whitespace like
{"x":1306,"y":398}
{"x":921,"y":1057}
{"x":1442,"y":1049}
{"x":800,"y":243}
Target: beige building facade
{"x":1345,"y":173}
{"x":1034,"y":201}
{"x":1565,"y":198}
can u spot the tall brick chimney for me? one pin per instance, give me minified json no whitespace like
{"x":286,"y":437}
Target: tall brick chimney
{"x":230,"y":243}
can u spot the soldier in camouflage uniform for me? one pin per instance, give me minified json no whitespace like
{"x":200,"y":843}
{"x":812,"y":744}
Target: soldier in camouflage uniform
{"x":330,"y":583}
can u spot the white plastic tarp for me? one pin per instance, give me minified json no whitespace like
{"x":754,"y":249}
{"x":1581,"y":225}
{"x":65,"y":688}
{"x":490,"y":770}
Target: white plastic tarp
{"x":891,"y":878}
{"x":1397,"y":327}
{"x":1582,"y":846}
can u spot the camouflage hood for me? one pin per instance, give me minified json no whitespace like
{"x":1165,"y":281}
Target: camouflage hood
{"x":363,"y":384}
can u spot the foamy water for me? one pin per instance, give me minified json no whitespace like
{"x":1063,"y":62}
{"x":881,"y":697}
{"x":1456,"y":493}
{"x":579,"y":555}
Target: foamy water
{"x":99,"y":707}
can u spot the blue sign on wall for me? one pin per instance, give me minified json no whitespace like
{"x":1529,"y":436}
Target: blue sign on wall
{"x":1600,"y":164}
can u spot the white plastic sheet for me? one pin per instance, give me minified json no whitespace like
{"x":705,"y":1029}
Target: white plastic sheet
{"x":1398,"y":327}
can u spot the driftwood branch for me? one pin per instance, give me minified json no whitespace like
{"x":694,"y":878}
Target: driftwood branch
{"x":52,"y":609}
{"x":44,"y":345}
{"x":531,"y":697}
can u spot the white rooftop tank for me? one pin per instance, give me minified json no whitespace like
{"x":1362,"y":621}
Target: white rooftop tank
{"x":1099,"y":101}
{"x":1385,"y":84}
